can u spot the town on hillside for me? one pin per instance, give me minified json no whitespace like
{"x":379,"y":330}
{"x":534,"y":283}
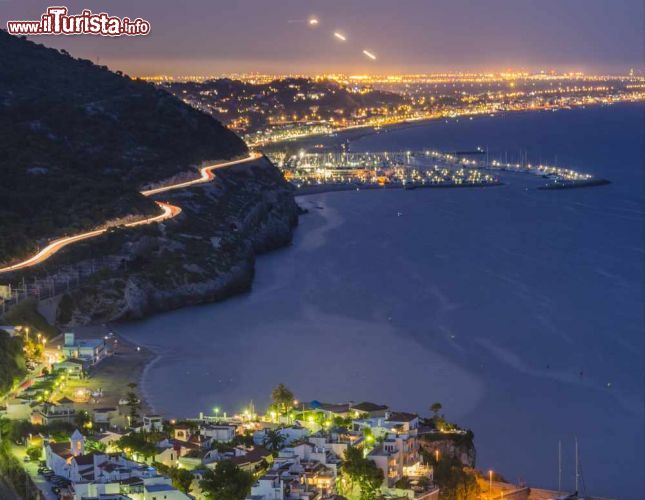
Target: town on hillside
{"x":64,"y":437}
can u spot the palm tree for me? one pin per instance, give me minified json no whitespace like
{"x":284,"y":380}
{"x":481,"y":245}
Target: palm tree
{"x":273,"y":440}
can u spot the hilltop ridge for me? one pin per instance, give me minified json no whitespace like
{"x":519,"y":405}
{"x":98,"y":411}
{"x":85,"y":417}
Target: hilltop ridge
{"x":79,"y":140}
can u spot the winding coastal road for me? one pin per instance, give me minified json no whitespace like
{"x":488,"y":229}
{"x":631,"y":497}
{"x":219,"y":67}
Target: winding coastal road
{"x":168,"y":211}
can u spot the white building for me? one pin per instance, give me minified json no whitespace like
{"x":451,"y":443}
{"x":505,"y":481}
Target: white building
{"x":268,"y":487}
{"x":290,"y":434}
{"x":153,"y":488}
{"x":91,"y":351}
{"x":160,"y":488}
{"x":152,"y":423}
{"x":18,"y":409}
{"x":398,"y":454}
{"x":59,"y":455}
{"x":219,"y":433}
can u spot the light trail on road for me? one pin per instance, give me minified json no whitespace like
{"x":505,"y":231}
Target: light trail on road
{"x":205,"y":175}
{"x":168,"y":211}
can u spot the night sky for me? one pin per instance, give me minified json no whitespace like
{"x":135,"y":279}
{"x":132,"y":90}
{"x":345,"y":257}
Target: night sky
{"x":216,"y":36}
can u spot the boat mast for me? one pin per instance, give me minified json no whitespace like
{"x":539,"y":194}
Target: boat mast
{"x":559,"y":467}
{"x":577,"y":468}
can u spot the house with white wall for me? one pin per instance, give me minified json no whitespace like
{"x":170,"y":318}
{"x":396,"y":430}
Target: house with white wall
{"x":290,"y":434}
{"x":90,"y":351}
{"x":219,"y":433}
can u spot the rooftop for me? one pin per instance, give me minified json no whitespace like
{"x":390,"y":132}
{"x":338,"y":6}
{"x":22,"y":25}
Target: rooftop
{"x":379,"y":451}
{"x":85,"y":459}
{"x":255,"y":455}
{"x":401,"y":416}
{"x":86,"y":343}
{"x":63,"y":450}
{"x":153,"y":488}
{"x":335,"y":408}
{"x":366,"y":406}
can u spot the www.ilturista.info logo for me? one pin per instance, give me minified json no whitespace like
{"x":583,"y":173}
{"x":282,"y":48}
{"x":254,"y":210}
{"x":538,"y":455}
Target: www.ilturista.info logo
{"x":56,"y":21}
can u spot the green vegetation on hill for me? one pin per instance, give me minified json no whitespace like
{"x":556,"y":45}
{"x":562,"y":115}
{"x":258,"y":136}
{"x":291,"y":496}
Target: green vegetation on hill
{"x":12,"y":363}
{"x":26,"y":314}
{"x":78,"y":140}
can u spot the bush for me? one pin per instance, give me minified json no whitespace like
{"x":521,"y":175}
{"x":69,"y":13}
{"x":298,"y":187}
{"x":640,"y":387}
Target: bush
{"x":12,"y":363}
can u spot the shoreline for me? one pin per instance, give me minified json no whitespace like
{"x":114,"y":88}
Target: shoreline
{"x":127,"y":364}
{"x":144,"y":397}
{"x":148,"y":358}
{"x":359,"y":131}
{"x":331,"y":188}
{"x":501,"y":356}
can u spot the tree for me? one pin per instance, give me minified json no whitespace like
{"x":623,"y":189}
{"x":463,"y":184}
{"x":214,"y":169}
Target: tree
{"x":282,"y":398}
{"x":455,"y":481}
{"x":12,"y":362}
{"x":226,"y":482}
{"x":273,"y":439}
{"x":137,"y":443}
{"x":182,"y":479}
{"x":92,"y":445}
{"x":363,"y":473}
{"x":34,"y":452}
{"x":403,"y":483}
{"x":424,"y":482}
{"x":133,"y":403}
{"x":242,"y":439}
{"x":81,"y":418}
{"x":436,"y":408}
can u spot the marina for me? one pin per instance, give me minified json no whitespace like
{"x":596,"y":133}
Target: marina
{"x":335,"y":171}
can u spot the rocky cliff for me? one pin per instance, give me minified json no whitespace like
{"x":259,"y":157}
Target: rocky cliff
{"x":205,"y":254}
{"x":458,"y":446}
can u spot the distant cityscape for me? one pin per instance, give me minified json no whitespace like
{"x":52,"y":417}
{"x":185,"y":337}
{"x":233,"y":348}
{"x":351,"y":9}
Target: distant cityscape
{"x":266,"y":109}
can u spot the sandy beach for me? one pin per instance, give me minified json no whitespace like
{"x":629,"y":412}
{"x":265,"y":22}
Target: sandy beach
{"x":125,"y":364}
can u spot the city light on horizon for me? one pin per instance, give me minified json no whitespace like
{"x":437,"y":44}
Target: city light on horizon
{"x":603,"y":41}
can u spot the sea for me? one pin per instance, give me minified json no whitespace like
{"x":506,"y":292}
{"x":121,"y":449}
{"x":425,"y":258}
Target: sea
{"x":520,"y":310}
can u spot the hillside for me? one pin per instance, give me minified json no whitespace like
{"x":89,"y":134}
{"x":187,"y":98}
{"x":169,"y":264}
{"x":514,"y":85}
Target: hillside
{"x":77,"y":140}
{"x":12,"y":363}
{"x":252,"y":107}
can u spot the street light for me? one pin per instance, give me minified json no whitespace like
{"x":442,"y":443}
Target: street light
{"x":490,"y":483}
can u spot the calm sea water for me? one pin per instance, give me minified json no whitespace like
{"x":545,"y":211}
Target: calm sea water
{"x":521,"y":311}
